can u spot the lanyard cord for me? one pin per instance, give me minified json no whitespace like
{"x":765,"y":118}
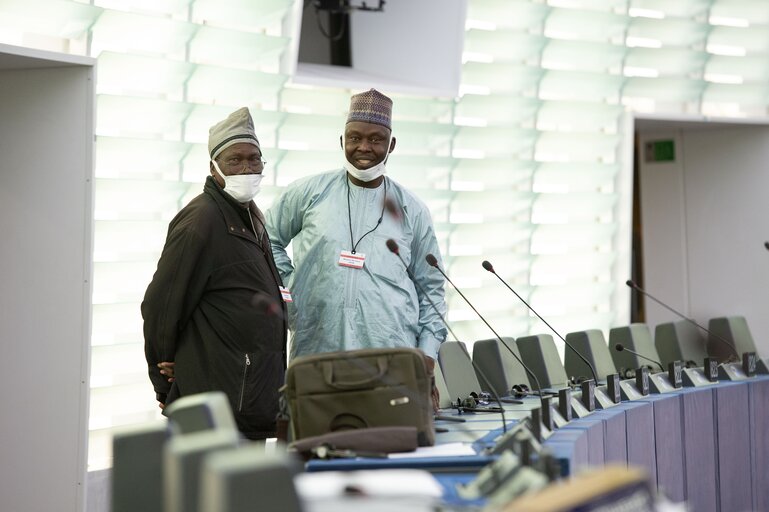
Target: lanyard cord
{"x":349,"y":214}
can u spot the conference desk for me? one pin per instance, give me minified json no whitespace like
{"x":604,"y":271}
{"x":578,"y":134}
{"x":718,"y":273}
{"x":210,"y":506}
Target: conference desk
{"x":708,"y":446}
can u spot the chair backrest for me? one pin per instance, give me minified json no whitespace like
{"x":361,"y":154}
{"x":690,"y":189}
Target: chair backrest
{"x":499,"y":365}
{"x":592,"y":345}
{"x":458,"y":371}
{"x":182,"y":462}
{"x":249,"y":479}
{"x":735,"y":330}
{"x":680,"y":341}
{"x":443,"y":390}
{"x":137,"y":463}
{"x":540,"y":355}
{"x":636,"y":337}
{"x":200,"y":412}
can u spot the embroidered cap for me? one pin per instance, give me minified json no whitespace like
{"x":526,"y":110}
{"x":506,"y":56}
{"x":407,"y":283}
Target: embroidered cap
{"x":371,"y":107}
{"x":238,"y":127}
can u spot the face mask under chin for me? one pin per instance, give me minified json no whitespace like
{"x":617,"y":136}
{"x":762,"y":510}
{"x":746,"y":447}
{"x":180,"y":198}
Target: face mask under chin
{"x":241,"y":187}
{"x":369,"y":174}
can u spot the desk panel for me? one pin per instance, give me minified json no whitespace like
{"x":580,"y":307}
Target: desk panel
{"x":734,"y":458}
{"x":571,"y":446}
{"x":759,"y":434}
{"x":639,"y":421}
{"x":614,"y":435}
{"x":699,"y":449}
{"x":669,"y":445}
{"x":593,"y":428}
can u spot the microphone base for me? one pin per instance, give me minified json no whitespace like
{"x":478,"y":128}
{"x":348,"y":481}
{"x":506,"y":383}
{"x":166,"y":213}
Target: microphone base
{"x":731,"y":371}
{"x":602,"y":398}
{"x":695,"y":378}
{"x":491,"y":477}
{"x":629,"y":390}
{"x":659,"y":383}
{"x":578,"y":409}
{"x":570,"y":404}
{"x":514,"y":438}
{"x":558,"y":420}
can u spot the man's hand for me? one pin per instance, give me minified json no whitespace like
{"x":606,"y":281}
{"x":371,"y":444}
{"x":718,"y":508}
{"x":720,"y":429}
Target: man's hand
{"x":167,"y":369}
{"x":430,"y":362}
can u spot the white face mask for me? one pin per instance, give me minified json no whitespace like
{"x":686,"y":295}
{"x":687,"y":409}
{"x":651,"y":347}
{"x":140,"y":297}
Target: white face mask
{"x":241,"y":187}
{"x":371,"y":173}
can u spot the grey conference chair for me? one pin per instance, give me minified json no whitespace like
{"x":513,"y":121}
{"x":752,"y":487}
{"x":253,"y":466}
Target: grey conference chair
{"x":137,"y":467}
{"x":200,"y":412}
{"x":736,"y":331}
{"x":458,"y":371}
{"x":592,"y":345}
{"x":636,"y":337}
{"x":182,"y":462}
{"x":499,"y":365}
{"x":249,"y":479}
{"x":540,"y":355}
{"x":680,"y":341}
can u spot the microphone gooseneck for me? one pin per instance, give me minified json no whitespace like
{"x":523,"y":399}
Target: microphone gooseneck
{"x":392,"y":245}
{"x":488,"y":266}
{"x":619,"y":347}
{"x":637,"y":288}
{"x":434,"y":263}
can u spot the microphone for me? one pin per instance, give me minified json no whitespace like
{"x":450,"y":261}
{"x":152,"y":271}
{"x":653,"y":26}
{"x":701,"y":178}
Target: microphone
{"x":488,"y":266}
{"x":619,"y":347}
{"x":393,"y":210}
{"x":723,"y":340}
{"x":433,"y":262}
{"x":392,"y":245}
{"x":766,"y":244}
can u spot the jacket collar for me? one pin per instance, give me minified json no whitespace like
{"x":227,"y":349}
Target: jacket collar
{"x":236,"y":216}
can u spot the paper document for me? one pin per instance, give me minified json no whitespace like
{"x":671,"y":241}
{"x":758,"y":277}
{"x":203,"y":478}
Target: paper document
{"x":439,"y":450}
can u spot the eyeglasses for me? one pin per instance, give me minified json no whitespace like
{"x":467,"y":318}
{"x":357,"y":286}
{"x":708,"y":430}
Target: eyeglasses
{"x":236,"y":165}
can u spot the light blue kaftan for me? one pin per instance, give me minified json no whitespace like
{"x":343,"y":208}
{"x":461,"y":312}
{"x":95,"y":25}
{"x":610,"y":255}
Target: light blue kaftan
{"x":339,"y":308}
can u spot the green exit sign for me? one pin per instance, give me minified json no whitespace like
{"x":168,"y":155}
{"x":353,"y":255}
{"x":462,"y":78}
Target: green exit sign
{"x":660,"y":151}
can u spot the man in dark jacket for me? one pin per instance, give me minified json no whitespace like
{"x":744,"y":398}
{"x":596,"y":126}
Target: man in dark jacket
{"x":214,"y":313}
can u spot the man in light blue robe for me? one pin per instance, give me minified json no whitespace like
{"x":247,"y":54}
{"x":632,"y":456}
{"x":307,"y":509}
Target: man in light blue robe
{"x":349,"y":291}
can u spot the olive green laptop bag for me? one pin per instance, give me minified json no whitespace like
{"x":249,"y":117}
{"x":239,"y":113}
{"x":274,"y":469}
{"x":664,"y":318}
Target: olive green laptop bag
{"x":360,"y":389}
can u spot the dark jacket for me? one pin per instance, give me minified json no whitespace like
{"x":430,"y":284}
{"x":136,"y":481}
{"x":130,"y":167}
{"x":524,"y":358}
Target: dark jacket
{"x":211,"y":308}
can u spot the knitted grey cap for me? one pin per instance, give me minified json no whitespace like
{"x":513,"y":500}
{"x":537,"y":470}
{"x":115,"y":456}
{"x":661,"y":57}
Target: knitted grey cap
{"x":238,"y":127}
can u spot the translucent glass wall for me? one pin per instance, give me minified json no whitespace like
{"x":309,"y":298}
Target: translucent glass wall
{"x":527,"y":167}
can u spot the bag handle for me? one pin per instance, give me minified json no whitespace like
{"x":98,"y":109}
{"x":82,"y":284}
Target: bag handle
{"x":328,"y":375}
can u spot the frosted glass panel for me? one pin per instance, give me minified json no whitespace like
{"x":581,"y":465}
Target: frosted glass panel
{"x":575,"y":25}
{"x":221,"y":47}
{"x":118,"y":31}
{"x":517,"y":14}
{"x":497,"y":109}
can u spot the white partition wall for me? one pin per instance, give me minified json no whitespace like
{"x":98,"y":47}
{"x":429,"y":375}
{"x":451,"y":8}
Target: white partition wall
{"x":704,"y":218}
{"x":46,"y":218}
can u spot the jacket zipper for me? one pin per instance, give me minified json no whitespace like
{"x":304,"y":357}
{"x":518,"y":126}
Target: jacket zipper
{"x":243,"y":384}
{"x":253,"y":229}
